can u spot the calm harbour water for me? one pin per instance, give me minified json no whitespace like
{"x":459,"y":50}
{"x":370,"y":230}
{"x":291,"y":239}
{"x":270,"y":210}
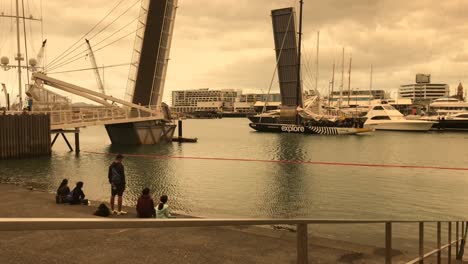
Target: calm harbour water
{"x":222,"y":188}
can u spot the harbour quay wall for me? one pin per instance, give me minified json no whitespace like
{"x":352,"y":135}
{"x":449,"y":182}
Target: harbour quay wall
{"x":24,"y":136}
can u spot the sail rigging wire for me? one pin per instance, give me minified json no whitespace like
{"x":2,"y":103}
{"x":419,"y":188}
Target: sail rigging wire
{"x":85,"y":51}
{"x":92,"y":68}
{"x":83,"y":36}
{"x":276,"y":67}
{"x":100,"y":31}
{"x":59,"y":66}
{"x":63,"y":60}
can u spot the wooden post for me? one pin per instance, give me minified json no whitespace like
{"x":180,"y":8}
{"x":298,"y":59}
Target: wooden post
{"x":66,"y":141}
{"x":421,"y":242}
{"x":55,"y":138}
{"x":179,"y":127}
{"x":77,"y":141}
{"x":302,"y":244}
{"x":388,"y":243}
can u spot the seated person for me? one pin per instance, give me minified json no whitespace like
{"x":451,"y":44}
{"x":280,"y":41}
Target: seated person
{"x":77,"y":195}
{"x":62,"y":192}
{"x":145,"y":205}
{"x":162,"y":210}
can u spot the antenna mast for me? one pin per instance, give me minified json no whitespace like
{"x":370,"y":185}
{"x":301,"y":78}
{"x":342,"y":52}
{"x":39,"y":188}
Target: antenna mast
{"x":18,"y":57}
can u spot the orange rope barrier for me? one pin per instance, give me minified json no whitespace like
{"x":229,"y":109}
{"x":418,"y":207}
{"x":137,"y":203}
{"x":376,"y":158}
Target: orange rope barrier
{"x":288,"y":161}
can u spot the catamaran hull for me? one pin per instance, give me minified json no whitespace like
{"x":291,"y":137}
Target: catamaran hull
{"x":314,"y":130}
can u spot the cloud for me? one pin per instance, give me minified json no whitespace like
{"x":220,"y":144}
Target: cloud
{"x":226,"y":44}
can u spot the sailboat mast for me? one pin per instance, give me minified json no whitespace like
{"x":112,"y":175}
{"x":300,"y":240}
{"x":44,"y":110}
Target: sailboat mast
{"x":370,"y":85}
{"x":332,"y":85}
{"x":342,"y":79}
{"x":18,"y":56}
{"x":298,"y":89}
{"x":349,"y":78}
{"x":317,"y":63}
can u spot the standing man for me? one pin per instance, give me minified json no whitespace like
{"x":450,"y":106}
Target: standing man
{"x":116,"y":177}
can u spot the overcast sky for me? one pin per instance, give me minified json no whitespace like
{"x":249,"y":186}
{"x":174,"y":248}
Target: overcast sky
{"x":229,"y":44}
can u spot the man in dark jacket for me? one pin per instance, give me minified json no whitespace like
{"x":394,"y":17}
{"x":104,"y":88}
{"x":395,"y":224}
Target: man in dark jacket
{"x":145,"y":205}
{"x":116,"y":177}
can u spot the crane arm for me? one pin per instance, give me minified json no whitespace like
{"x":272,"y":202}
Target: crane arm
{"x":95,"y":67}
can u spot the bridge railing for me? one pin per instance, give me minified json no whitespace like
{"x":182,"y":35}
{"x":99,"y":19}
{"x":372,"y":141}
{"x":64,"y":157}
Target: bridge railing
{"x":91,"y":114}
{"x":455,"y":238}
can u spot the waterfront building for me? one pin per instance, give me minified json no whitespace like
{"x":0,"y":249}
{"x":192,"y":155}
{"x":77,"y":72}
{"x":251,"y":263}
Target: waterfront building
{"x":357,"y":97}
{"x":189,"y":101}
{"x":219,"y":100}
{"x":253,"y":97}
{"x":423,"y":91}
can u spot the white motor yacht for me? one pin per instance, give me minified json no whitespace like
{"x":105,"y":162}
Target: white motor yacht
{"x":386,"y":117}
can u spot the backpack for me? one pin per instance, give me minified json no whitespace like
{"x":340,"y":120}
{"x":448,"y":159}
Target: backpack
{"x":116,"y":177}
{"x":102,"y":210}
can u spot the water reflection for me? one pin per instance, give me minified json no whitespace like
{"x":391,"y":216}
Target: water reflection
{"x":284,"y":192}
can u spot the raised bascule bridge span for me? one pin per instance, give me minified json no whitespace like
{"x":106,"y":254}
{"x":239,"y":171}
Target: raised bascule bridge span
{"x":140,"y":118}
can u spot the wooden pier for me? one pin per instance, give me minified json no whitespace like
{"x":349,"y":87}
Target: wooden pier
{"x":24,"y":136}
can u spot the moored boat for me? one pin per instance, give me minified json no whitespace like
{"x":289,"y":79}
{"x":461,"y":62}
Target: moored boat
{"x":386,"y":117}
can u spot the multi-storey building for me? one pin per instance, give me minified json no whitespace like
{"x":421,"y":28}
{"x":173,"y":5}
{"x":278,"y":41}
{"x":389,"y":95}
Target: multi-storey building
{"x":189,"y":101}
{"x":423,"y":90}
{"x":252,"y":97}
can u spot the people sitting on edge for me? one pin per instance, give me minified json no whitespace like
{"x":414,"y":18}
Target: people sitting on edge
{"x":77,"y":195}
{"x":62,"y":192}
{"x":162,"y":210}
{"x":145,"y":205}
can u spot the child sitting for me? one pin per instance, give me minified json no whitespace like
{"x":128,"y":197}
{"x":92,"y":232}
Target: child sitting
{"x":162,"y":210}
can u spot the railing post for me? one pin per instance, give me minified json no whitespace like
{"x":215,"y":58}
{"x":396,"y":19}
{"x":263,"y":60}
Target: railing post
{"x":439,"y":244}
{"x":388,"y":243}
{"x":449,"y":252}
{"x":302,"y":244}
{"x":421,"y":242}
{"x":457,"y":236}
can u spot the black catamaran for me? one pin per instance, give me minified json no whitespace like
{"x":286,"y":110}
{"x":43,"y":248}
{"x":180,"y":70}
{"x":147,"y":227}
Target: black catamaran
{"x":293,"y":117}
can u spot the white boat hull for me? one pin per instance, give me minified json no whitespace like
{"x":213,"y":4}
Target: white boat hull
{"x":404,"y":125}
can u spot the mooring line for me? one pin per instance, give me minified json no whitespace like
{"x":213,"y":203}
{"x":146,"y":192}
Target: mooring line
{"x":286,"y":161}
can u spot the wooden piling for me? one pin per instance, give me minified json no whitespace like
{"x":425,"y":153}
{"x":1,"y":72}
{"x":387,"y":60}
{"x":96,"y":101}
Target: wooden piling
{"x":24,"y":136}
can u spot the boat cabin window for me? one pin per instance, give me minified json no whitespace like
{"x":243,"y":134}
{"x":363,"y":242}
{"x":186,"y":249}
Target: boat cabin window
{"x":388,"y":107}
{"x":380,"y":118}
{"x":378,"y":108}
{"x":463,"y":116}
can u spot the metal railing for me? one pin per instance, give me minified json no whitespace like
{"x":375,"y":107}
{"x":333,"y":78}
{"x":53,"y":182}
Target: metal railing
{"x":80,"y":117}
{"x":29,"y":224}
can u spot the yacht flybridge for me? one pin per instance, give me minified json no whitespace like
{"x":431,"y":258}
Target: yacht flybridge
{"x":386,"y":117}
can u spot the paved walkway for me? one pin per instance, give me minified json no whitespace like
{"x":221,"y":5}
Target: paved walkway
{"x":165,"y":245}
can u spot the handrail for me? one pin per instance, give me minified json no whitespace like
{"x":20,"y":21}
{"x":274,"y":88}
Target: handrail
{"x":30,"y":224}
